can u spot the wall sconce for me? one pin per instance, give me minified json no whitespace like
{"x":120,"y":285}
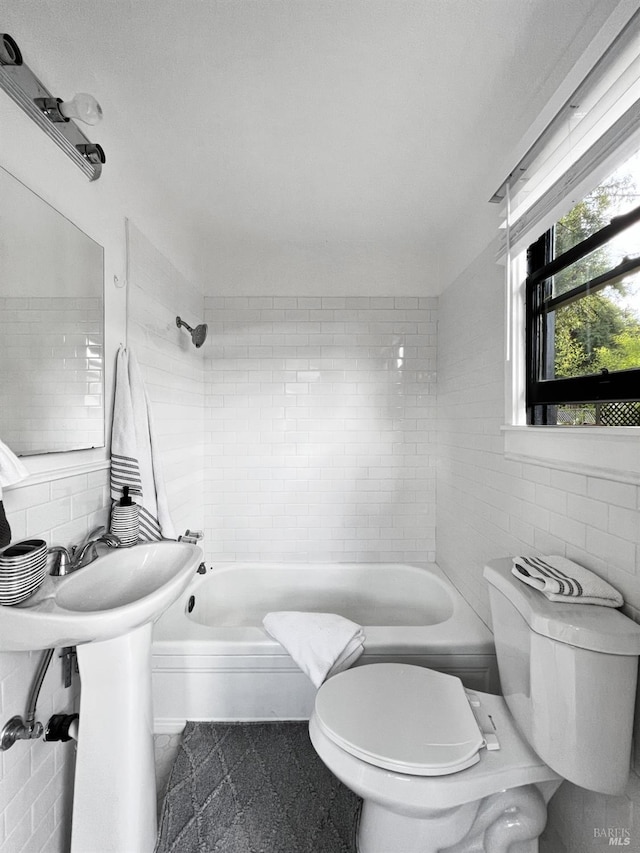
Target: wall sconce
{"x":53,"y":115}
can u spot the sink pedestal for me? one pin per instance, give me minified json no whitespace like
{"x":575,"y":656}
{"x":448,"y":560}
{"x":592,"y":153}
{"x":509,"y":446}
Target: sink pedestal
{"x":116,"y":596}
{"x":114,"y":801}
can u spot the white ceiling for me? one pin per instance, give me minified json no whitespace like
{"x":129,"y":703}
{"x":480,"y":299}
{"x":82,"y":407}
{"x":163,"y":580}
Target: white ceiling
{"x":311,"y":145}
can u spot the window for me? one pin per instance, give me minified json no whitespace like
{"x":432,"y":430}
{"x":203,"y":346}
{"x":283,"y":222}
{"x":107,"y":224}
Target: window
{"x":583,"y":310}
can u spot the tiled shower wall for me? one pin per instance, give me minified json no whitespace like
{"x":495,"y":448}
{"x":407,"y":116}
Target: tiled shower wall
{"x":36,"y":778}
{"x":320,"y":427}
{"x":173,"y":372}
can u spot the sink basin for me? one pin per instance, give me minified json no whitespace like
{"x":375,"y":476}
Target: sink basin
{"x":111,"y":596}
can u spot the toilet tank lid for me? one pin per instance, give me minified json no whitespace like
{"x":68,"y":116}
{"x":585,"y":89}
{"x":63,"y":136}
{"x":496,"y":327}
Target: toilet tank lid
{"x":586,"y":626}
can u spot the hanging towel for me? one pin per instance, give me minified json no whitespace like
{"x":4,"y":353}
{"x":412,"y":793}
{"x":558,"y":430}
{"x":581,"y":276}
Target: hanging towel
{"x":322,"y":644}
{"x":135,"y":459}
{"x":561,"y":579}
{"x":11,"y":471}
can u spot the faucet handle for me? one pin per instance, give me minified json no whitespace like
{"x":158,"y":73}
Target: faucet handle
{"x":97,"y":531}
{"x":111,"y":540}
{"x":62,"y":561}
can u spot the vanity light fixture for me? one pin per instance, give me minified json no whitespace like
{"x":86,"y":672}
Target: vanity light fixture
{"x":82,"y":106}
{"x":53,"y":115}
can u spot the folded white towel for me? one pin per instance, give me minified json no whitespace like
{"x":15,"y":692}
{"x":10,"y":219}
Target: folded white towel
{"x":11,"y":468}
{"x":322,"y":644}
{"x":561,"y":579}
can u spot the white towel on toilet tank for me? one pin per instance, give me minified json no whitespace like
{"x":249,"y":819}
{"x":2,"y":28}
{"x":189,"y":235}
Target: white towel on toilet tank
{"x":561,"y":579}
{"x":322,"y":644}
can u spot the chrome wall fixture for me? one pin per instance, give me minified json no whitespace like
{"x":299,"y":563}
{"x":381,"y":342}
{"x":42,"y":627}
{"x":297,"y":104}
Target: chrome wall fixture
{"x":51,"y":114}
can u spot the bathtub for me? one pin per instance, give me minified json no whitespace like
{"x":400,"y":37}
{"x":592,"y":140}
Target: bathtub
{"x":213,"y":660}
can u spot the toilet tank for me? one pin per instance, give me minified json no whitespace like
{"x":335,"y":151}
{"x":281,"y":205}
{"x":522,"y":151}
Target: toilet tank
{"x":568,"y":674}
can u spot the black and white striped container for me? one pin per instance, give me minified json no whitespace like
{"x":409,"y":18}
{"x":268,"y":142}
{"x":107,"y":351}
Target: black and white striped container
{"x":125,"y":524}
{"x":23,"y":567}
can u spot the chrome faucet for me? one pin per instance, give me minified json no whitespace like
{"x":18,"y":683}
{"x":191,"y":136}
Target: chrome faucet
{"x":86,"y":552}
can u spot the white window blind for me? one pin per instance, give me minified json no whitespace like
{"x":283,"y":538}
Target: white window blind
{"x":597,"y":128}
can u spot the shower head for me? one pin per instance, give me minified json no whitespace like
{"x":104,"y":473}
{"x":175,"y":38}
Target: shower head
{"x":198,"y":335}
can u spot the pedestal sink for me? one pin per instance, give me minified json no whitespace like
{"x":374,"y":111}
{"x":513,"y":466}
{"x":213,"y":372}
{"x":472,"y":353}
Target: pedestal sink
{"x":106,"y":609}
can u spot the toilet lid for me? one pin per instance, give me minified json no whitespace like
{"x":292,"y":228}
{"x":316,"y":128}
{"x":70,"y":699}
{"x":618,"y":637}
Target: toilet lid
{"x":400,"y":717}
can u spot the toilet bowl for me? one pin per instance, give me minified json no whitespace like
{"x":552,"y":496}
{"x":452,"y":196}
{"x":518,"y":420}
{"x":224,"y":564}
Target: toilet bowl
{"x":444,"y":770}
{"x":414,"y":745}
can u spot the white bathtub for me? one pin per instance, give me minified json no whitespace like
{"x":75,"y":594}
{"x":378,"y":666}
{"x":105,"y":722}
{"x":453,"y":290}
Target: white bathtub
{"x":218,"y":663}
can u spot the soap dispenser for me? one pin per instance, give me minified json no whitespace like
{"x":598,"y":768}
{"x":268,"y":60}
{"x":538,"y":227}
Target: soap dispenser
{"x":124,"y":519}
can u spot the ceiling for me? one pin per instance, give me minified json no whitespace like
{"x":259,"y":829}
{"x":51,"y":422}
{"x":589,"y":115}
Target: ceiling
{"x":336,"y":146}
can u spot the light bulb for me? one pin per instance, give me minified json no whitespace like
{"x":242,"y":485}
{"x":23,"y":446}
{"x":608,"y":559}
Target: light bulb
{"x":82,"y":106}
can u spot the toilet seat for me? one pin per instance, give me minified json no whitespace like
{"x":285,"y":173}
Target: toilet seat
{"x":402,"y":718}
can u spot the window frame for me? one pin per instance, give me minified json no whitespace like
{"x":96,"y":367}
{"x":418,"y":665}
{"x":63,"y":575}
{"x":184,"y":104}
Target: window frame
{"x":541,"y":395}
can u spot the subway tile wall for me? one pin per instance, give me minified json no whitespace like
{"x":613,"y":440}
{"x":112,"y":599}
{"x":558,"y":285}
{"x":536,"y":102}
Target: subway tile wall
{"x":36,"y":778}
{"x":490,"y":507}
{"x":320,"y":426}
{"x":52,"y":358}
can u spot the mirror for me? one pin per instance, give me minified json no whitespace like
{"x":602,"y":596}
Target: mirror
{"x":51,"y":328}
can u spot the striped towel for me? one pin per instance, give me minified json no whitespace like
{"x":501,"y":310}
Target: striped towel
{"x":135,"y":460}
{"x":561,"y":579}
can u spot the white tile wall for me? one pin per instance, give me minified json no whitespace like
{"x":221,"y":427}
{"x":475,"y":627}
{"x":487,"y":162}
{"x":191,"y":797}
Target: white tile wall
{"x":504,"y":507}
{"x":173,"y":371}
{"x":36,"y":777}
{"x":321,"y":428}
{"x":489,"y":507}
{"x":52,"y":359}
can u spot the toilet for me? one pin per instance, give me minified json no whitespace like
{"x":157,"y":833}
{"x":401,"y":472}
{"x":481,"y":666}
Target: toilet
{"x":441,"y":769}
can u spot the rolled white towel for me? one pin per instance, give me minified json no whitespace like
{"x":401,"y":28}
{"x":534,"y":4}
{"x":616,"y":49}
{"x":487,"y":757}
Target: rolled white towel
{"x":322,"y":644}
{"x":561,"y":579}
